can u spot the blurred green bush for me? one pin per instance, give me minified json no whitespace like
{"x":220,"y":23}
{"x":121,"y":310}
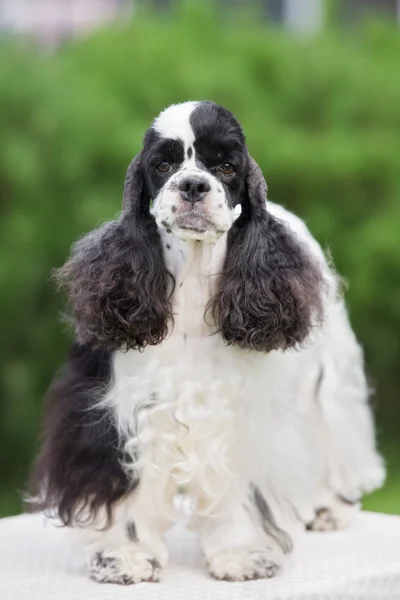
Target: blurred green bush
{"x":322,"y":118}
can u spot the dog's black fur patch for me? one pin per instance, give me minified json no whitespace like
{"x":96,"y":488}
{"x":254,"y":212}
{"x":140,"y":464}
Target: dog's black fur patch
{"x":268,"y":521}
{"x":270,"y":292}
{"x":131,"y":531}
{"x":116,"y":276}
{"x":79,"y":471}
{"x":219,"y":139}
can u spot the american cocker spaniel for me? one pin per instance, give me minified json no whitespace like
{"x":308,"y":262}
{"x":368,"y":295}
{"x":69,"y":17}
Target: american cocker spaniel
{"x":212,"y":355}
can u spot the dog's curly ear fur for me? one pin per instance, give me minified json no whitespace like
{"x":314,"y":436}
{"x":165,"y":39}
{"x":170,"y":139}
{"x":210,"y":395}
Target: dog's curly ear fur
{"x":116,"y":276}
{"x":270,"y":292}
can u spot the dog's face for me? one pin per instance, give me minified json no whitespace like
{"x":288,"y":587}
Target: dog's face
{"x":195,"y":161}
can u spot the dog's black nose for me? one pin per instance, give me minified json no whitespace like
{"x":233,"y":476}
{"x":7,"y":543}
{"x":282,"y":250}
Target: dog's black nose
{"x":193,"y":189}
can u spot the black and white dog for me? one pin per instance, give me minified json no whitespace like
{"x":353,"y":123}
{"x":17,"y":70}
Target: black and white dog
{"x":213,"y":354}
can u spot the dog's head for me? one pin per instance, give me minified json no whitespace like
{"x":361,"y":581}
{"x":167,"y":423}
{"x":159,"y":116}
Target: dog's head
{"x":192,"y":172}
{"x":195,"y":162}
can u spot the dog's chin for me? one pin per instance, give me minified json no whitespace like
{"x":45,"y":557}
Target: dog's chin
{"x":196,"y":227}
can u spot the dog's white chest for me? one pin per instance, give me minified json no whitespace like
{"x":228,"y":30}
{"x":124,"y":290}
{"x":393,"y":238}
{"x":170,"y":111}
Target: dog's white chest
{"x":192,"y":436}
{"x":178,"y":404}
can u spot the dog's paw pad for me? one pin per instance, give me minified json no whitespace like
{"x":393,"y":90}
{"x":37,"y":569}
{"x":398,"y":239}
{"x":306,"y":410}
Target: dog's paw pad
{"x":243,"y":566}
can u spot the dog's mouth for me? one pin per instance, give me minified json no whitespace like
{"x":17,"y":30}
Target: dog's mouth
{"x":194,"y":219}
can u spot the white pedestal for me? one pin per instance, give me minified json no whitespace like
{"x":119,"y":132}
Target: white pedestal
{"x":361,"y":563}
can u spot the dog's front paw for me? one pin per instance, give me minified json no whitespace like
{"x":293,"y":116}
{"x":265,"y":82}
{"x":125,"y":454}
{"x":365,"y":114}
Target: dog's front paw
{"x":124,"y":566}
{"x":243,"y":565}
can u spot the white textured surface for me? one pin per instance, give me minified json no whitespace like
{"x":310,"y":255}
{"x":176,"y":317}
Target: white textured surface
{"x":362,"y":563}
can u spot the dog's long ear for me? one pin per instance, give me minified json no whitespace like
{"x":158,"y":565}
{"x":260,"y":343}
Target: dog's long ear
{"x":116,"y":276}
{"x":269,"y":293}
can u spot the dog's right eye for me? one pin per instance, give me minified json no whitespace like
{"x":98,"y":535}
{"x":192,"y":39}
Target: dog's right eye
{"x":163,"y":167}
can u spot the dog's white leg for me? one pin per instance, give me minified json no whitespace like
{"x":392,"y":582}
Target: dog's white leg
{"x":131,"y":549}
{"x":242,"y":541}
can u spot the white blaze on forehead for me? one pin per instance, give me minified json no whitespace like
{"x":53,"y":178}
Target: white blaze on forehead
{"x":174,"y":122}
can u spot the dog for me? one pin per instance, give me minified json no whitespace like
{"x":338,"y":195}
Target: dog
{"x":213,"y":354}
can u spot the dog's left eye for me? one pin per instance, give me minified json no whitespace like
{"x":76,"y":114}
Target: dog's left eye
{"x":164,"y":167}
{"x":227,"y":169}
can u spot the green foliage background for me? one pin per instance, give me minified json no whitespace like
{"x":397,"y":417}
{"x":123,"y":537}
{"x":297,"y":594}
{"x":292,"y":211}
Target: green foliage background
{"x":322,"y":118}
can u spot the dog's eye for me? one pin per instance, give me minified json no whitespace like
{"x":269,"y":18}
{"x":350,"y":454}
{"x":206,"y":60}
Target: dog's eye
{"x":227,"y":169}
{"x":164,"y":167}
